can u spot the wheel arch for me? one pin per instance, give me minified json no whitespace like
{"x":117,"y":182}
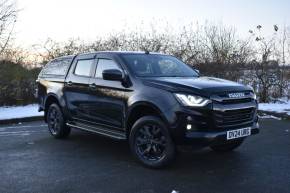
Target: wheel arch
{"x":140,"y":109}
{"x":50,"y":99}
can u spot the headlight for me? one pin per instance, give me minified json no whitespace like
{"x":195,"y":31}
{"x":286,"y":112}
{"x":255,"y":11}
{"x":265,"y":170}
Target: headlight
{"x":192,"y":100}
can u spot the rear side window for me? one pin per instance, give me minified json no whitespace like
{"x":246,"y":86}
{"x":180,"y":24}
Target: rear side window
{"x":83,"y":67}
{"x":105,"y":64}
{"x":57,"y":67}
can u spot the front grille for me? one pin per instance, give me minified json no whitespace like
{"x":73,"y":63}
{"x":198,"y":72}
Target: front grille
{"x":234,"y":118}
{"x":236,"y":101}
{"x":223,"y":98}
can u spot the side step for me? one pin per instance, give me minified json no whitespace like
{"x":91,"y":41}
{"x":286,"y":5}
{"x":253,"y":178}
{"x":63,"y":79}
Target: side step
{"x":100,"y":130}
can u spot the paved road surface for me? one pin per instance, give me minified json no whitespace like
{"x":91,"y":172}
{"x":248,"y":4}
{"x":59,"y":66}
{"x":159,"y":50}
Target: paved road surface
{"x":32,"y":161}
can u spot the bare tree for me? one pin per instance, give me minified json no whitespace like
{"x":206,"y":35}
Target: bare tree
{"x":283,"y":83}
{"x":51,"y":49}
{"x":8,"y":15}
{"x":222,"y":53}
{"x":266,"y":69}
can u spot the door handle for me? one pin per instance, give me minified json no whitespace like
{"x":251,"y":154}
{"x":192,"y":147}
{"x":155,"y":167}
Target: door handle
{"x":93,"y":86}
{"x":69,"y":83}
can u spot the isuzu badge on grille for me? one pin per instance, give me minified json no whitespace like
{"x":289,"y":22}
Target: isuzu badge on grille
{"x":236,"y":95}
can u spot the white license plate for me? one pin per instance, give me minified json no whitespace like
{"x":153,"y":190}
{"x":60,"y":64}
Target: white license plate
{"x":233,"y":134}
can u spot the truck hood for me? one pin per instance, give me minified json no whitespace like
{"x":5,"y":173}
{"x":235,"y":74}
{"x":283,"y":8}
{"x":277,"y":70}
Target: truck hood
{"x":199,"y":85}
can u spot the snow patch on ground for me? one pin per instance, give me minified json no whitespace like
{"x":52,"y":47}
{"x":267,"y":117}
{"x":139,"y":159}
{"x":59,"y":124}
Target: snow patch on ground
{"x":280,"y":107}
{"x":14,"y":112}
{"x":270,"y":117}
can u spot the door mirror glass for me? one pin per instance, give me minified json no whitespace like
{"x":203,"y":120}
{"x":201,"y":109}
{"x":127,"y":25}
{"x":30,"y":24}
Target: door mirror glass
{"x":196,"y":70}
{"x":112,"y":74}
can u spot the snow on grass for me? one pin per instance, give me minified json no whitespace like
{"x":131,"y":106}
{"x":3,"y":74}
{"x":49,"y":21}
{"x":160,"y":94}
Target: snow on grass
{"x":279,"y":107}
{"x":14,"y":112}
{"x":270,"y":117}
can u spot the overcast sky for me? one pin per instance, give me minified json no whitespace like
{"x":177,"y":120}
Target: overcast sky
{"x":86,"y":19}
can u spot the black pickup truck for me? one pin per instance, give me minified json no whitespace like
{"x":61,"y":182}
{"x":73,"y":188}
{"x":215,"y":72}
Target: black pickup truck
{"x":154,"y":101}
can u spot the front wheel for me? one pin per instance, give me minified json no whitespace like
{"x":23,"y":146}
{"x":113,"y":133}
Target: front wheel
{"x":151,"y":143}
{"x":229,"y":146}
{"x":56,"y":122}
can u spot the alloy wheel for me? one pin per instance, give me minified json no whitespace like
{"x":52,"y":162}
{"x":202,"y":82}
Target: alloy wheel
{"x":53,"y":121}
{"x":150,"y":142}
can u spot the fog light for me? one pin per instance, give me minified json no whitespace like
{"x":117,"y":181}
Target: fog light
{"x":189,"y":118}
{"x":188,"y":127}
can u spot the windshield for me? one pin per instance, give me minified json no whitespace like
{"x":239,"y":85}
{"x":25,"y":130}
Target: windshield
{"x":152,"y":65}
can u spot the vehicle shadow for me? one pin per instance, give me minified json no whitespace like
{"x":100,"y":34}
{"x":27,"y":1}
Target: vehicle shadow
{"x":112,"y":160}
{"x":203,"y":160}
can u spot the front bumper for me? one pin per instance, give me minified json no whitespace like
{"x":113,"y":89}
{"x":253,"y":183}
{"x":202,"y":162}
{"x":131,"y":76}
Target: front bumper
{"x":209,"y":125}
{"x":207,"y":138}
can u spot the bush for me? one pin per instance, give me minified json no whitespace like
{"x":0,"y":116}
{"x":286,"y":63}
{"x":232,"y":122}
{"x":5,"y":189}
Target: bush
{"x":17,"y":84}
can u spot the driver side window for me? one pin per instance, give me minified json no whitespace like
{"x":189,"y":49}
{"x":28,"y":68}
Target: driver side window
{"x":168,"y":67}
{"x":105,"y":64}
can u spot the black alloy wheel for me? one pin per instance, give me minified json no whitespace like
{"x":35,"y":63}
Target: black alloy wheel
{"x":56,"y":123}
{"x":151,"y":143}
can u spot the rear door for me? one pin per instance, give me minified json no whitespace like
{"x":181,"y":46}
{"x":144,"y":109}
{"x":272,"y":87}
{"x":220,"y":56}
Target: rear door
{"x":76,"y":89}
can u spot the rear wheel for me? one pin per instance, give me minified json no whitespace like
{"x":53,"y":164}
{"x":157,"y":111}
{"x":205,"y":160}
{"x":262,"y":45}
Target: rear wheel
{"x":151,"y":143}
{"x":229,"y":146}
{"x":56,"y":122}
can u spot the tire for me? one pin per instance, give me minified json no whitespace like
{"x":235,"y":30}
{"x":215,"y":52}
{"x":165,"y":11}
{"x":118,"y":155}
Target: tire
{"x":56,"y":122}
{"x":151,"y":143}
{"x":230,"y":146}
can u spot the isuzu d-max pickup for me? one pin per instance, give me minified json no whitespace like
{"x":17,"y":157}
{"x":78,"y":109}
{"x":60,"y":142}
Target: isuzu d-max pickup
{"x":154,"y":101}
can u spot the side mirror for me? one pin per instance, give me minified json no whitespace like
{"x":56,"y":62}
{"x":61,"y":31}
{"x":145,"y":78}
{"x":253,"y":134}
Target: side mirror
{"x":196,"y":70}
{"x":112,"y":74}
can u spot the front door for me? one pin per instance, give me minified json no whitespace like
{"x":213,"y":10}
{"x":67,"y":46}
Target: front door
{"x":107,"y":103}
